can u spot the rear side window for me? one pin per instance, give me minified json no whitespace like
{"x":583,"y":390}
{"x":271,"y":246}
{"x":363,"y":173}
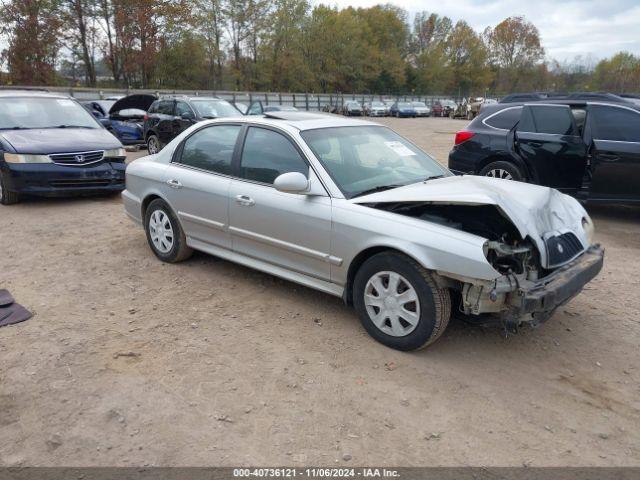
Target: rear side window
{"x":211,"y":148}
{"x":617,"y":124}
{"x":268,"y":154}
{"x":505,"y":119}
{"x":555,"y":120}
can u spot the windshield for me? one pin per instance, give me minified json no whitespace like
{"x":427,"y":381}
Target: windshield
{"x":44,"y":112}
{"x":404,"y":105}
{"x":419,"y":104}
{"x":377,"y":104}
{"x":215,"y":109}
{"x":362,"y":159}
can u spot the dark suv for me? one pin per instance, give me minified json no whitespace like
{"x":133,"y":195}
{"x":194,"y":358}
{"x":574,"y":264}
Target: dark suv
{"x":587,"y":149}
{"x":169,"y":116}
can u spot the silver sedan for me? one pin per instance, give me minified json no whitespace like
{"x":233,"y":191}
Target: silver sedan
{"x":351,"y":208}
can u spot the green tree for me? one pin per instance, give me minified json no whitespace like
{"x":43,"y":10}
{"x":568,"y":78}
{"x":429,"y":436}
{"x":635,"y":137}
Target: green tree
{"x":33,"y":28}
{"x":466,"y":54}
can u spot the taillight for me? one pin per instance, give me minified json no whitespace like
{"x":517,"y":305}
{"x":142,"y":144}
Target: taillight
{"x":146,"y":117}
{"x":463,"y":136}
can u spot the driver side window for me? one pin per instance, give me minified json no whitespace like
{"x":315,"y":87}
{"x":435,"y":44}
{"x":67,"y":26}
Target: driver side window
{"x":268,"y":154}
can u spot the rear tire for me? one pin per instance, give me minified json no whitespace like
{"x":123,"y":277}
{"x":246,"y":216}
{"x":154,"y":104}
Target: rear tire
{"x":7,"y":197}
{"x":419,"y":310}
{"x":164,"y":233}
{"x":153,"y":144}
{"x":504,"y":170}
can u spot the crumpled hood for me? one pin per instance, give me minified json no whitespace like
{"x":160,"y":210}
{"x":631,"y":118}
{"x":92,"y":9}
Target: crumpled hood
{"x":533,"y":210}
{"x":60,"y":140}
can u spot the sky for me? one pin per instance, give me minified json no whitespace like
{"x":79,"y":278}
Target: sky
{"x":594,"y":29}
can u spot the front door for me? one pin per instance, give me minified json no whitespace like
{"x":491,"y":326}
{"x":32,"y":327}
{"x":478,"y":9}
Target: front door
{"x":548,"y":140}
{"x":198,"y":181}
{"x":184,"y":118}
{"x":615,"y":153}
{"x":286,"y":230}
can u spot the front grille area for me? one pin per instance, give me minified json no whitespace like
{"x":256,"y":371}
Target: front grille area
{"x":563,"y":248}
{"x":77,"y":159}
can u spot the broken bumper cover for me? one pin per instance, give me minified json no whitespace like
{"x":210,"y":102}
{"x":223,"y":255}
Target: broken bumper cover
{"x":540,"y":298}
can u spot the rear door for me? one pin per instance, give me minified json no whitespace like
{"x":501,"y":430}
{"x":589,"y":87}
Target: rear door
{"x":615,"y":153}
{"x":549,"y":141}
{"x":198,"y":180}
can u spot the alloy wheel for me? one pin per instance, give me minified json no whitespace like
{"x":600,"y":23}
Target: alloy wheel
{"x":161,"y":231}
{"x":392,"y":303}
{"x":152,"y":145}
{"x":499,"y":173}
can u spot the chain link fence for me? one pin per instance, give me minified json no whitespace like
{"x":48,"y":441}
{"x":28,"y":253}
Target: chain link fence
{"x":301,"y":101}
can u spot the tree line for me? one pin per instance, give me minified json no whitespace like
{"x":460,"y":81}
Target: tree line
{"x":284,"y":45}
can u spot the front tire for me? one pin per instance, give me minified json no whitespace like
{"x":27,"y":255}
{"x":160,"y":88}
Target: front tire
{"x":164,"y":233}
{"x":504,"y":170}
{"x":7,"y":197}
{"x":399,"y":302}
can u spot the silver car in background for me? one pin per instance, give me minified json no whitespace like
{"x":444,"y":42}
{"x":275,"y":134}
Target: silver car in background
{"x":350,"y":208}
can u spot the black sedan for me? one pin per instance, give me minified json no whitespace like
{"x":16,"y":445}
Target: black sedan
{"x":587,"y":149}
{"x":51,"y":146}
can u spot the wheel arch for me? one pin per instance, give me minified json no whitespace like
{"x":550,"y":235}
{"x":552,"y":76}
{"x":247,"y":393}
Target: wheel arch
{"x":369,"y":252}
{"x":528,"y":173}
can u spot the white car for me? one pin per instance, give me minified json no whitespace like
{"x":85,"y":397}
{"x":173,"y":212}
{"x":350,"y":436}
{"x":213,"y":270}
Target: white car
{"x":351,"y":208}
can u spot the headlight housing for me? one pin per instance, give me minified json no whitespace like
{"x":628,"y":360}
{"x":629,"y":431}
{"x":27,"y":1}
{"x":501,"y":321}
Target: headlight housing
{"x":589,"y":230}
{"x":26,"y":158}
{"x":115,"y":152}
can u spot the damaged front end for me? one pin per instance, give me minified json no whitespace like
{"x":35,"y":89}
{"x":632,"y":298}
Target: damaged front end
{"x":530,"y":286}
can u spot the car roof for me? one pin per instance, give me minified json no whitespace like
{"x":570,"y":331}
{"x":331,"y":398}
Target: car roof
{"x":496,"y":107}
{"x":7,"y":93}
{"x":299,"y":121}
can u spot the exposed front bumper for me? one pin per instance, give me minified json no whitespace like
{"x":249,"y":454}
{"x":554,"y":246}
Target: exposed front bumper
{"x":514,"y":299}
{"x":53,"y":180}
{"x":542,"y":297}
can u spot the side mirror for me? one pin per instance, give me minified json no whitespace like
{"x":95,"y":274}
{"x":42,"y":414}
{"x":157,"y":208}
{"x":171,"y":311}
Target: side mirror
{"x":291,"y":182}
{"x":187,"y":116}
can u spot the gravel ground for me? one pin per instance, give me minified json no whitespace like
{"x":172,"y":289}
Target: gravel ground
{"x":129,"y":361}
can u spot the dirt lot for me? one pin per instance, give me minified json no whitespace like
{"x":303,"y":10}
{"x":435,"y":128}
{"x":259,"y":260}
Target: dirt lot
{"x":129,"y":361}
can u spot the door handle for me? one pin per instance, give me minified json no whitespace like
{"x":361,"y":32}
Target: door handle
{"x":609,"y":157}
{"x":535,"y":144}
{"x":245,"y":200}
{"x":173,"y":183}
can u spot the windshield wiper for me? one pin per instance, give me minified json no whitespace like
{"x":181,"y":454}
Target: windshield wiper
{"x":434,"y":177}
{"x":69,"y":126}
{"x":379,"y":188}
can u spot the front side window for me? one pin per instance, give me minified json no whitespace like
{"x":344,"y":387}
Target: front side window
{"x":268,"y":154}
{"x":505,"y":119}
{"x":44,"y":112}
{"x":617,"y":124}
{"x":211,"y":148}
{"x":363,"y":159}
{"x":183,"y":107}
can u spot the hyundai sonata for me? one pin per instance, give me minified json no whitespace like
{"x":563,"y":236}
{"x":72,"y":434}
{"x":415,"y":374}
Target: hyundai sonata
{"x":351,"y":208}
